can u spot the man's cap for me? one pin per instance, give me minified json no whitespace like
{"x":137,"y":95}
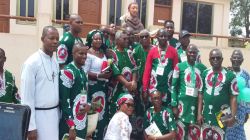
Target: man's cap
{"x":184,"y":33}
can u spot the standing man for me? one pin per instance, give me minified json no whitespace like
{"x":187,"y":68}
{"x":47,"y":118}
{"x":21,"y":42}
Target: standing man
{"x":39,"y":88}
{"x":186,"y":84}
{"x":124,"y":70}
{"x":243,"y":110}
{"x":67,"y":41}
{"x":218,"y":96}
{"x":132,"y":38}
{"x":73,"y":96}
{"x":140,"y":54}
{"x":184,"y":38}
{"x":8,"y":89}
{"x":169,"y":27}
{"x":159,"y":67}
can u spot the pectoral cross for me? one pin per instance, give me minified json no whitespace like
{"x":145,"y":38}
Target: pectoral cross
{"x":53,"y":76}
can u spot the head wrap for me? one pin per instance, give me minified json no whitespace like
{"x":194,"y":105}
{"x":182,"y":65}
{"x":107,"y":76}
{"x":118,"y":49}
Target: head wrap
{"x":123,"y":98}
{"x":90,"y":35}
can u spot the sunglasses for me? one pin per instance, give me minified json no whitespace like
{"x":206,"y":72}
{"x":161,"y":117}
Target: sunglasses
{"x":129,"y":105}
{"x":144,"y":36}
{"x":216,"y":58}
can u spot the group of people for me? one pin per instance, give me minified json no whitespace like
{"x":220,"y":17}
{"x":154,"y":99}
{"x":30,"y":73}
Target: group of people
{"x":141,"y":87}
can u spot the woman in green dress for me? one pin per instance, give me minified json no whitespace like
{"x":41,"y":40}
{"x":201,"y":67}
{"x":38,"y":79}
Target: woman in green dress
{"x":96,"y":67}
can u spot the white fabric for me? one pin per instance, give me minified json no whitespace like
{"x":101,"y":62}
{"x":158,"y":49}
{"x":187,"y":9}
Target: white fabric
{"x":119,"y":127}
{"x":94,"y":63}
{"x":39,"y":89}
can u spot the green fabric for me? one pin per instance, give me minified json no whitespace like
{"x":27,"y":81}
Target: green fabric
{"x":89,"y":38}
{"x":72,"y":84}
{"x":97,"y":91}
{"x":140,"y":57}
{"x":9,"y":95}
{"x":69,"y":40}
{"x":162,"y":85}
{"x":109,"y":45}
{"x":182,"y":57}
{"x":163,"y":119}
{"x":182,"y":78}
{"x":216,"y":93}
{"x":173,"y":41}
{"x":123,"y":65}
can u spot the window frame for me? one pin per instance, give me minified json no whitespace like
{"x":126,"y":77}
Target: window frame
{"x":115,"y":12}
{"x":19,"y":21}
{"x":197,"y":16}
{"x":141,"y":10}
{"x":62,"y":6}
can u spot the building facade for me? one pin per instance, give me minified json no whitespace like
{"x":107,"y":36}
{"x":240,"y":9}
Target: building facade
{"x":20,"y":38}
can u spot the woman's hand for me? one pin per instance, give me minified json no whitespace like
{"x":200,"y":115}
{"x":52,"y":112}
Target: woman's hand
{"x":72,"y":134}
{"x":84,"y":109}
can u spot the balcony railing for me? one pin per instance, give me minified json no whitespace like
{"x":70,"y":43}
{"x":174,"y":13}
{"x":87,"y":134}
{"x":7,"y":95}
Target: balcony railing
{"x":94,"y":24}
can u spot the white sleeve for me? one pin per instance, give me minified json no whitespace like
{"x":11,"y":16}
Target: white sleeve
{"x":125,"y":134}
{"x":28,"y":92}
{"x":87,"y":64}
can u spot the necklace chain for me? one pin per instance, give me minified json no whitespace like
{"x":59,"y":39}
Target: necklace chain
{"x":53,"y":75}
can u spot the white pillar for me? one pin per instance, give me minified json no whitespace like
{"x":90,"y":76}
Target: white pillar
{"x":44,"y":17}
{"x":150,"y":14}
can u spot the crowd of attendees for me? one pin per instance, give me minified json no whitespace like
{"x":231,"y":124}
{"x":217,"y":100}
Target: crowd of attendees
{"x":142,"y":86}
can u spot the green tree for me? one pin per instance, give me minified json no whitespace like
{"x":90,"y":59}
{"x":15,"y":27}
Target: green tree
{"x":240,"y":11}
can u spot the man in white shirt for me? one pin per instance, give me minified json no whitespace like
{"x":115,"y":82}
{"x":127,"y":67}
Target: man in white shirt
{"x":39,"y":88}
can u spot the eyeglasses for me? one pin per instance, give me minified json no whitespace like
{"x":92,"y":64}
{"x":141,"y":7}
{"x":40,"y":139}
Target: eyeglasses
{"x":129,"y":105}
{"x":144,"y":36}
{"x":216,"y":58}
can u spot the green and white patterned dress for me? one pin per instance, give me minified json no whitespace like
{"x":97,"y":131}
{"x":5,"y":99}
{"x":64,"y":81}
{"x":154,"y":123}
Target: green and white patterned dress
{"x":64,"y":51}
{"x":158,"y":72}
{"x":8,"y":89}
{"x":72,"y":91}
{"x":97,"y":92}
{"x":186,"y":84}
{"x":217,"y":89}
{"x":124,"y":65}
{"x":163,"y":119}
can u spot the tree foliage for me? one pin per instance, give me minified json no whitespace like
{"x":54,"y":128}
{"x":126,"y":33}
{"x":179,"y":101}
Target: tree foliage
{"x":240,"y":11}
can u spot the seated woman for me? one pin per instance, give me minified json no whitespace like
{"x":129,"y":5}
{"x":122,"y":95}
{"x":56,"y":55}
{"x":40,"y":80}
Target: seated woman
{"x":119,"y":127}
{"x":163,"y":118}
